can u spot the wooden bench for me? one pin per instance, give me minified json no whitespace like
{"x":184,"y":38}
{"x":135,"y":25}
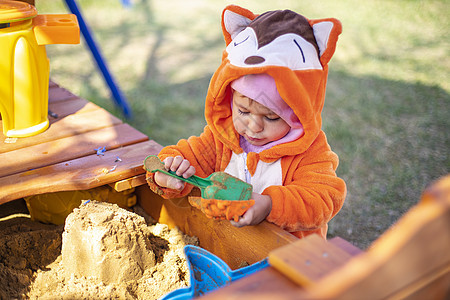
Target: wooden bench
{"x":64,"y":157}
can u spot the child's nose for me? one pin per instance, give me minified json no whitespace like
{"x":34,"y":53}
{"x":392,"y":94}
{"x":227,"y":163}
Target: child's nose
{"x":255,"y":124}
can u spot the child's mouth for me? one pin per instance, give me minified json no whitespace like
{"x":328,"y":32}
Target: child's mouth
{"x":254,"y":140}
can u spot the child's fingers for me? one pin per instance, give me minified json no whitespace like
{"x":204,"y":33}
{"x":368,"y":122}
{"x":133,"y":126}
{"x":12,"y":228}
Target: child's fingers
{"x":164,"y":180}
{"x":177,"y":160}
{"x":189,"y":172}
{"x":168,"y":162}
{"x":235,"y":224}
{"x":244,"y":220}
{"x":161,"y":179}
{"x":176,"y":184}
{"x":183,"y":167}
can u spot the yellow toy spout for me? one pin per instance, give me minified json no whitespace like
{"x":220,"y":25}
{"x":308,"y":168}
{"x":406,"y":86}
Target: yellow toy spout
{"x":56,"y":29}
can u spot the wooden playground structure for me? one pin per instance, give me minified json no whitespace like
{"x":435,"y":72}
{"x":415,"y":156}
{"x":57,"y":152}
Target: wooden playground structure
{"x":86,"y":147}
{"x":409,"y":261}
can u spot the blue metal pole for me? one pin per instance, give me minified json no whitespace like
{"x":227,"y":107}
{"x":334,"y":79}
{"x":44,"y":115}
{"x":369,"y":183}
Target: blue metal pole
{"x":117,"y":94}
{"x":126,"y":3}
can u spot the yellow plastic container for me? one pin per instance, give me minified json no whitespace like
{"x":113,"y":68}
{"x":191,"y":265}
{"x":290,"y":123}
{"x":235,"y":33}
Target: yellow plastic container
{"x":24,"y":66}
{"x":53,"y":208}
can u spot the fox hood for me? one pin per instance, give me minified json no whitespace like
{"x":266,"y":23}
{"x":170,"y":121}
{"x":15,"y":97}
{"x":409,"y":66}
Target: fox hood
{"x":293,"y":50}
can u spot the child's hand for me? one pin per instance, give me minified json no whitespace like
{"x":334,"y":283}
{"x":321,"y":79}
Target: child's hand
{"x":179,"y":165}
{"x":257,"y":213}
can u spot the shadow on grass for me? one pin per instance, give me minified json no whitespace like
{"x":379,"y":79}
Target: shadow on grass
{"x":392,"y":139}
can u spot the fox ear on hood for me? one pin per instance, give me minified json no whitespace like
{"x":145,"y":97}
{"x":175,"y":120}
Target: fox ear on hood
{"x":326,"y":32}
{"x":234,"y":20}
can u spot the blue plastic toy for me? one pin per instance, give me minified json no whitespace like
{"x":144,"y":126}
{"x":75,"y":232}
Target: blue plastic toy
{"x":208,"y":272}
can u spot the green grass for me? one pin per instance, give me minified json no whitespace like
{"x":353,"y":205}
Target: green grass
{"x":387,"y":107}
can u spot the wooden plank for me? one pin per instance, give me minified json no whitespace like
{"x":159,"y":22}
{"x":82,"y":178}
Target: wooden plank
{"x":265,"y":284}
{"x":72,"y":106}
{"x":417,"y":246}
{"x":58,"y":93}
{"x":45,"y":154}
{"x":129,"y":183}
{"x":236,"y":246}
{"x":79,"y":174}
{"x":74,"y":124}
{"x":435,"y":285}
{"x":52,"y":84}
{"x":308,"y":260}
{"x":270,"y":283}
{"x":346,"y":246}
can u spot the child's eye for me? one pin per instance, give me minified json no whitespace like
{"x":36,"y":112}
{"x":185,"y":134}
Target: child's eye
{"x":242,"y":112}
{"x":272,"y":119}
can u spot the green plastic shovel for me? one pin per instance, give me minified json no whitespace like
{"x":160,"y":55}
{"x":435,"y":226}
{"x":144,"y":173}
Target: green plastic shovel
{"x":218,"y":185}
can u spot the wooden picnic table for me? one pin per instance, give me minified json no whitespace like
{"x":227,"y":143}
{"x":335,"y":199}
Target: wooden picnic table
{"x":64,"y":158}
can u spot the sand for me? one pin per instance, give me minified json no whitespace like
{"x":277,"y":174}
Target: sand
{"x":102,"y":252}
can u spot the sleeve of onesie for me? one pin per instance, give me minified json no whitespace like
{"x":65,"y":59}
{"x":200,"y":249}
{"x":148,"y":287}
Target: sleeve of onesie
{"x":312,"y":193}
{"x":201,"y":153}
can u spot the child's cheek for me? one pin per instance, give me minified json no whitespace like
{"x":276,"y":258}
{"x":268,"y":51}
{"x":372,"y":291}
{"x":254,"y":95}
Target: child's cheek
{"x":238,"y":123}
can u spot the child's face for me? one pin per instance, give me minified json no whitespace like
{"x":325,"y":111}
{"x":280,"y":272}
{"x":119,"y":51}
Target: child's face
{"x":255,"y":122}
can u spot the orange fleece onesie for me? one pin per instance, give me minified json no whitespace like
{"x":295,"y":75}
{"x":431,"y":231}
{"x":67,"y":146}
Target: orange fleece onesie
{"x":300,"y":175}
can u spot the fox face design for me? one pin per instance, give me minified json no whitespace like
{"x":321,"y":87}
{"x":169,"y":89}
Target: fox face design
{"x":276,"y":38}
{"x":293,"y":52}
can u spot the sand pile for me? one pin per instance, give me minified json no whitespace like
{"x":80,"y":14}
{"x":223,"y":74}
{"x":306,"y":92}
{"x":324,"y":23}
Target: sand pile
{"x":110,"y":244}
{"x":105,"y":252}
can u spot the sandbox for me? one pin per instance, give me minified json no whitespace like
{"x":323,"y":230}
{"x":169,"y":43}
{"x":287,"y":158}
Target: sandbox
{"x":35,"y":263}
{"x":102,"y":252}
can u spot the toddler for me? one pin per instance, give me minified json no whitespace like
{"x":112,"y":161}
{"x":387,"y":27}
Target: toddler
{"x":263,"y":113}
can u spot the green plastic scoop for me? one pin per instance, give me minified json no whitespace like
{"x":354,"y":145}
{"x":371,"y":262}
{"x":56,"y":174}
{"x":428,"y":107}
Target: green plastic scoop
{"x":218,"y":185}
